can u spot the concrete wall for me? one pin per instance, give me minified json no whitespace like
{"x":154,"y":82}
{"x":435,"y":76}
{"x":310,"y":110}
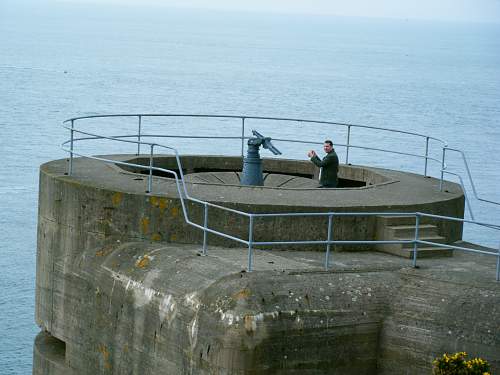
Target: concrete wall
{"x":117,"y":315}
{"x":146,"y":308}
{"x":430,"y":315}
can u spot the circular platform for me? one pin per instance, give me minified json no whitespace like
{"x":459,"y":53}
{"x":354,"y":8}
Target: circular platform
{"x":123,"y":188}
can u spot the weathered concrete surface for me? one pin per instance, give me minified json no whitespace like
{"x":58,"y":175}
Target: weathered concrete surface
{"x":49,"y":356}
{"x":146,"y":308}
{"x":117,"y":288}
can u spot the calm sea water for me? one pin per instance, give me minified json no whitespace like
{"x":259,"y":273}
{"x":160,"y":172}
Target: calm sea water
{"x":441,"y":79}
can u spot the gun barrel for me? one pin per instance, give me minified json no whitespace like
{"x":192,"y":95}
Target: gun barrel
{"x":266,"y":142}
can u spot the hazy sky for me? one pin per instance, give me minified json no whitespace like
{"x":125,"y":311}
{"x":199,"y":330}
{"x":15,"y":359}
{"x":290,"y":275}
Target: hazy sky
{"x":459,"y":10}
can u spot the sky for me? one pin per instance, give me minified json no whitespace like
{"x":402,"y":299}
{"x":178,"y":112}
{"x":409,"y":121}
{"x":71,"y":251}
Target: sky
{"x":448,"y":10}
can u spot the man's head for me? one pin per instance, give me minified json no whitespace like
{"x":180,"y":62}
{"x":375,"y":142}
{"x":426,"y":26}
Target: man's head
{"x":328,"y":146}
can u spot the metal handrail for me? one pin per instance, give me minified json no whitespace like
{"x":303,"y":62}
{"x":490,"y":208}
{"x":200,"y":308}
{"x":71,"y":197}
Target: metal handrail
{"x":348,"y":145}
{"x":254,"y":118}
{"x":243,"y":118}
{"x":469,"y":206}
{"x":274,"y":139}
{"x":469,"y":174}
{"x":183,"y":194}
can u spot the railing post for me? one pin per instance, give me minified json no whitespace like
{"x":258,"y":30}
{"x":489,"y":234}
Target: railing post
{"x":442,"y":169}
{"x":348,"y":144}
{"x":426,"y":155}
{"x":242,"y":137}
{"x":250,"y":242}
{"x":467,"y":201}
{"x":498,"y":264}
{"x":72,"y":131}
{"x":139,"y":136}
{"x":327,"y":256}
{"x":205,"y":225}
{"x":150,"y":177}
{"x":415,"y":243}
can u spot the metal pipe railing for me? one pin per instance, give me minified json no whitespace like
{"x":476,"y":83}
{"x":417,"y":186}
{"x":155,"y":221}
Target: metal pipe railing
{"x":150,"y":176}
{"x":415,"y":243}
{"x":72,"y":132}
{"x":469,"y":174}
{"x":469,"y":206}
{"x":115,"y":137}
{"x":183,"y":194}
{"x":256,"y":118}
{"x":205,"y":226}
{"x":426,"y":154}
{"x":330,"y":230}
{"x":250,"y":245}
{"x":242,"y":118}
{"x":242,"y":137}
{"x":139,"y":131}
{"x":443,"y":167}
{"x":348,"y":144}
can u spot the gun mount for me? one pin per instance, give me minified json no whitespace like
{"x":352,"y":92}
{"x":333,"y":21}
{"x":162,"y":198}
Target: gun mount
{"x":252,"y":163}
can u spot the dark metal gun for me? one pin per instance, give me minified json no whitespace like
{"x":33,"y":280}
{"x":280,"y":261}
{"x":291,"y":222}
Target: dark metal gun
{"x":252,"y":163}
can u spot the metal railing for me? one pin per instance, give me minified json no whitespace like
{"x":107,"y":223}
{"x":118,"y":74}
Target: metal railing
{"x":243,"y":119}
{"x":469,"y":174}
{"x":250,"y":242}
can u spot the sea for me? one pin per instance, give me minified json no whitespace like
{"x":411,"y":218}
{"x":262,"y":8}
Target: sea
{"x":63,"y":60}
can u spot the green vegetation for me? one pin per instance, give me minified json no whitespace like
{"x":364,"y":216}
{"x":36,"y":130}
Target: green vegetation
{"x":457,"y":364}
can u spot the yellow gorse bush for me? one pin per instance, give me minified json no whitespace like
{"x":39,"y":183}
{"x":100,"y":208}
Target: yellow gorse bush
{"x":457,"y":364}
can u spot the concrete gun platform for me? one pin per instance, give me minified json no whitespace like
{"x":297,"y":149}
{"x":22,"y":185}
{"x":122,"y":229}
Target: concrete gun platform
{"x":384,"y":190}
{"x":383,"y":187}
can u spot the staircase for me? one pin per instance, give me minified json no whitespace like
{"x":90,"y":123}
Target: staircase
{"x":403,"y":228}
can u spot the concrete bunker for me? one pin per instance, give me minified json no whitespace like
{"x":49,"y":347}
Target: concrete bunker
{"x":120,"y":282}
{"x":122,"y":286}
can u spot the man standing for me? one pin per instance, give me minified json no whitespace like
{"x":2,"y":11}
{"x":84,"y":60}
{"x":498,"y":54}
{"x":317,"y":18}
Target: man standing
{"x":329,"y":165}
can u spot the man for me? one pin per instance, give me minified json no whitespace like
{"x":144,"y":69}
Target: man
{"x":329,"y":165}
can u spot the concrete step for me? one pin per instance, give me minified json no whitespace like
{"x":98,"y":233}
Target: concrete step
{"x":409,"y":231}
{"x":423,"y":251}
{"x":403,"y":228}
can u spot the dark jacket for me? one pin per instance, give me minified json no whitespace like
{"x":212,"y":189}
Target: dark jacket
{"x":329,"y":169}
